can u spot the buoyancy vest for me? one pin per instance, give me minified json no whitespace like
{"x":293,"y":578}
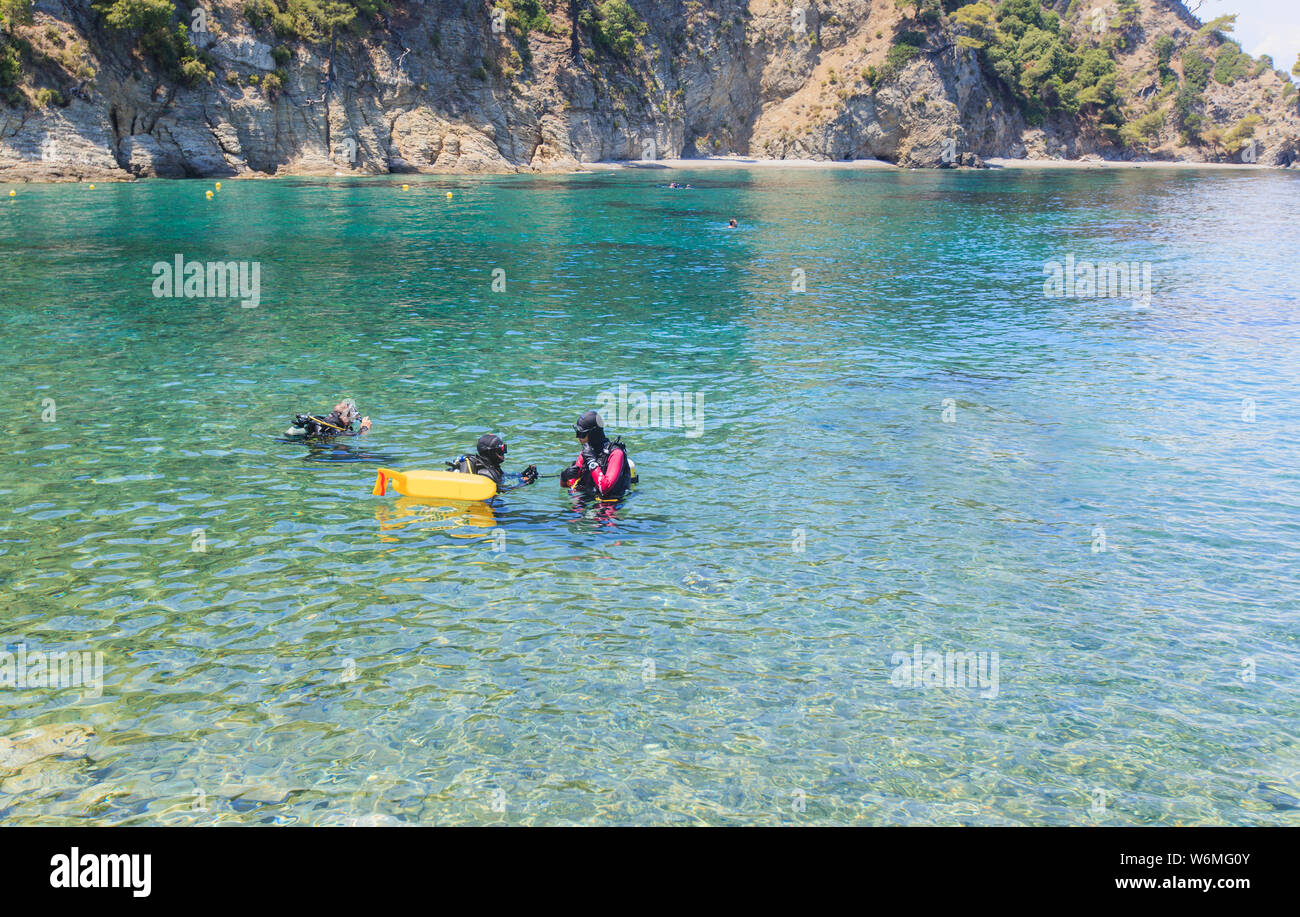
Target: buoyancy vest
{"x":476,"y":464}
{"x":625,"y":479}
{"x":329,"y":425}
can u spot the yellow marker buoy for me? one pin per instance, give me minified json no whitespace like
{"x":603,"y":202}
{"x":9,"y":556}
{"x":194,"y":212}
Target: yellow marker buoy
{"x":208,"y":195}
{"x":448,"y":195}
{"x":435,"y":485}
{"x":13,"y":193}
{"x":218,"y":186}
{"x":406,"y":187}
{"x":92,"y":186}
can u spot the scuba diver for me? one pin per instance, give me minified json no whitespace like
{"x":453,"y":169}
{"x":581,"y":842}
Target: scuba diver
{"x":603,"y":465}
{"x":491,"y":453}
{"x":336,"y":423}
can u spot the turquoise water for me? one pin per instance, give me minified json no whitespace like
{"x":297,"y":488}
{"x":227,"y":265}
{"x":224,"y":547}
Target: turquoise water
{"x":918,"y":448}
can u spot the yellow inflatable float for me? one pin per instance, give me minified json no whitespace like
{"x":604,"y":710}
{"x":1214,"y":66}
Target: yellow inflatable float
{"x":435,"y":485}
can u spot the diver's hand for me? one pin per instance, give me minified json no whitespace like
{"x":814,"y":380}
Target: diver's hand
{"x":569,"y":476}
{"x":530,"y":474}
{"x":592,"y":465}
{"x":365,"y":424}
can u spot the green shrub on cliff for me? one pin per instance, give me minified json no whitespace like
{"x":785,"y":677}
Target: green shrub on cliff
{"x":310,"y":20}
{"x":1164,"y":48}
{"x":1127,"y":14}
{"x":1025,"y":47}
{"x":1196,"y":76}
{"x":194,"y":71}
{"x":1220,"y":26}
{"x":1231,"y":140}
{"x":922,"y":10}
{"x":976,"y":27}
{"x":905,"y":49}
{"x":614,"y":26}
{"x":11,"y":66}
{"x":50,"y":98}
{"x":12,"y":13}
{"x":1143,"y":130}
{"x":146,"y":16}
{"x":15,"y":12}
{"x":1236,"y":138}
{"x":158,"y":36}
{"x":524,"y":16}
{"x":273,"y":83}
{"x":1231,"y":63}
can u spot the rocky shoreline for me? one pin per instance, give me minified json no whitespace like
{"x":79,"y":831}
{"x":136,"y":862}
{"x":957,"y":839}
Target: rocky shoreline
{"x":48,"y":173}
{"x":432,"y":91}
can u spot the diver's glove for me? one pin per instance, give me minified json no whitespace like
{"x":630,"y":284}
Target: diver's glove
{"x":301,"y":420}
{"x":530,"y":474}
{"x":569,"y":476}
{"x":590,"y":461}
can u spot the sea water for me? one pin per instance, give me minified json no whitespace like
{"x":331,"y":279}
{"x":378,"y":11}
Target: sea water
{"x":924,"y":534}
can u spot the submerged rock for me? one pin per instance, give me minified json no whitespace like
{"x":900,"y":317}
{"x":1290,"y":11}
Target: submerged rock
{"x":57,"y":740}
{"x":371,"y":820}
{"x":1278,"y":797}
{"x":256,"y":792}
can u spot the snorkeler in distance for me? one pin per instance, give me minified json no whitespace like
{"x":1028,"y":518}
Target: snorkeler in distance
{"x":336,"y":423}
{"x":603,"y":465}
{"x":491,"y":451}
{"x":732,"y":223}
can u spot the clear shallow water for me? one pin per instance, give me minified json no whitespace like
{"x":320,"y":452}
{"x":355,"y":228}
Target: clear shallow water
{"x":679,"y":662}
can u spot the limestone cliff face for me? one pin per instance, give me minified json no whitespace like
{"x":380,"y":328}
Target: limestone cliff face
{"x":432,"y":87}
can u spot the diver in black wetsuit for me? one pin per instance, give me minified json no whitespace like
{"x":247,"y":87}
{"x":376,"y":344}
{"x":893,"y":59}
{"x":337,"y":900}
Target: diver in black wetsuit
{"x":491,"y":453}
{"x":336,"y":423}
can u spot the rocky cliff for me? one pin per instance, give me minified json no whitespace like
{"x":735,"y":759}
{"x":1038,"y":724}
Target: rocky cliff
{"x":517,"y":85}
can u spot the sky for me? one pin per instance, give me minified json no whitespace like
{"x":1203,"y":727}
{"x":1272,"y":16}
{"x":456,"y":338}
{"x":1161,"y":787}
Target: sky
{"x":1269,"y":27}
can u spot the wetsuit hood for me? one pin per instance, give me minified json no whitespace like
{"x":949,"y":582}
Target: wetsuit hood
{"x":590,"y":426}
{"x":492,"y":449}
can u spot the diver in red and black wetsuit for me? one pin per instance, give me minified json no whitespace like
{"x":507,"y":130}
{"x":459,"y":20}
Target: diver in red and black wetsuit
{"x":603,"y":465}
